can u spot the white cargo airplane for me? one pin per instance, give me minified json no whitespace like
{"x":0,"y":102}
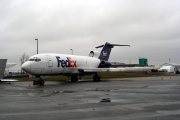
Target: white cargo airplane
{"x":72,"y":65}
{"x":4,"y":64}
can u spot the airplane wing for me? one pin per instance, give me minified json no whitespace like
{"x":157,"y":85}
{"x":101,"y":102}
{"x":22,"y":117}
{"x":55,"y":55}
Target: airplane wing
{"x":2,"y":68}
{"x":126,"y":69}
{"x":8,"y":80}
{"x":8,"y":64}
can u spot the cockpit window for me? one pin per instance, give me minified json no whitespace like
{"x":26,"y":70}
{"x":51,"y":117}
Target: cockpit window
{"x":35,"y":59}
{"x":31,"y":59}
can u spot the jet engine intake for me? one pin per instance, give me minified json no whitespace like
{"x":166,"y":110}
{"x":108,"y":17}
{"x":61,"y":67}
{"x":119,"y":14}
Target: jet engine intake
{"x":94,"y":54}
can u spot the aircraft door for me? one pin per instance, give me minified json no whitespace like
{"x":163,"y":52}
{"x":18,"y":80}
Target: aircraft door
{"x":50,"y":63}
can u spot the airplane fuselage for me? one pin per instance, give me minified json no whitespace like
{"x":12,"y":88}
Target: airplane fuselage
{"x":71,"y":65}
{"x":58,"y":64}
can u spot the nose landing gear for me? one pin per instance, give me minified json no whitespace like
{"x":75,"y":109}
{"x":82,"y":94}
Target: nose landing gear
{"x":39,"y":82}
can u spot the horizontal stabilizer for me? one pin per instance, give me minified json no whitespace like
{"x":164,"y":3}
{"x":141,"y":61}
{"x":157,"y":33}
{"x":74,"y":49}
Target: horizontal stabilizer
{"x":111,"y":45}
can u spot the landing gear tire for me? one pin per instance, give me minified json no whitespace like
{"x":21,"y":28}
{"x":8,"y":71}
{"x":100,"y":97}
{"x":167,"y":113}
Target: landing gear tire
{"x":74,"y":78}
{"x":39,"y":82}
{"x":96,"y":78}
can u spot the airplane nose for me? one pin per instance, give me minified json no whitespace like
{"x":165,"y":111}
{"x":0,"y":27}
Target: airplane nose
{"x":26,"y":67}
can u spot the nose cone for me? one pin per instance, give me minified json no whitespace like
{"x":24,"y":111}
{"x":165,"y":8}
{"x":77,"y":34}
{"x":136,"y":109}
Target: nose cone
{"x":26,"y":67}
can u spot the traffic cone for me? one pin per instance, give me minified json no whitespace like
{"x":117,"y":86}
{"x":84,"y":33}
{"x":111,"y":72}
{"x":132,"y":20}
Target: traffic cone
{"x":29,"y":86}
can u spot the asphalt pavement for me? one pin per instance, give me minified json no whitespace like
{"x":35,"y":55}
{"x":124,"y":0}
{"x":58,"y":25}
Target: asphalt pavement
{"x":150,"y":98}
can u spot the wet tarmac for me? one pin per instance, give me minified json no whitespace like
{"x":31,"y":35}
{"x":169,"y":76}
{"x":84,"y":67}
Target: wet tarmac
{"x":152,"y":98}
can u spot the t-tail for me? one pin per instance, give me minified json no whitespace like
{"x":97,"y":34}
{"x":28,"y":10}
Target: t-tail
{"x":106,"y":50}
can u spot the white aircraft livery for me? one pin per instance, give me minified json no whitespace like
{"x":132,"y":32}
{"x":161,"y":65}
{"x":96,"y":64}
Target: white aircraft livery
{"x":48,"y":64}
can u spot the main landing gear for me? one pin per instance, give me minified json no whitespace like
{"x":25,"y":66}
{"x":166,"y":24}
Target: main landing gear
{"x":74,"y":78}
{"x":39,"y":82}
{"x":96,"y":78}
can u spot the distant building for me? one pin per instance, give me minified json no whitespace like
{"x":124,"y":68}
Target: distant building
{"x":143,"y":61}
{"x":170,"y":68}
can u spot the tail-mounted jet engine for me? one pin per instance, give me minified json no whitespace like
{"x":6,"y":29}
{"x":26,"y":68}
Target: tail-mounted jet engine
{"x":104,"y":64}
{"x":94,"y":54}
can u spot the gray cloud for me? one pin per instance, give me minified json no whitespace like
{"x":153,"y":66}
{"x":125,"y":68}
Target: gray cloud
{"x":151,"y":27}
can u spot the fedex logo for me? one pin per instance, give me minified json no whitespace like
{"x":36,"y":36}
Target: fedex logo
{"x":65,"y":63}
{"x":105,"y":53}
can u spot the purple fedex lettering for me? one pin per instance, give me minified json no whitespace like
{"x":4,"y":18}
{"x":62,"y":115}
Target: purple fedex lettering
{"x":58,"y":61}
{"x":66,"y":63}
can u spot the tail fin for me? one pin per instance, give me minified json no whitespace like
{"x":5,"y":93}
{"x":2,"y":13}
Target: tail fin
{"x":106,"y":50}
{"x":2,"y":67}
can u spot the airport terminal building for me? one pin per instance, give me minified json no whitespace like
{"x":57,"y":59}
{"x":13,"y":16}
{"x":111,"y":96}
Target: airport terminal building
{"x":170,"y":68}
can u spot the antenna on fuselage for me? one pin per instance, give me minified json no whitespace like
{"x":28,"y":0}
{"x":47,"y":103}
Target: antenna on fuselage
{"x":71,"y":51}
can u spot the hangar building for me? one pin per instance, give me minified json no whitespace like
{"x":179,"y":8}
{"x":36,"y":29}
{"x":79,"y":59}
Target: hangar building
{"x":170,"y":68}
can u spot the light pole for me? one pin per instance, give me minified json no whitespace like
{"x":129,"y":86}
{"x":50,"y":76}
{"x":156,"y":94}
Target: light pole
{"x":37,"y":45}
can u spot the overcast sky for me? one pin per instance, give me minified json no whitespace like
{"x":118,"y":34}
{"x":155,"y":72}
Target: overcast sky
{"x":151,"y":27}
